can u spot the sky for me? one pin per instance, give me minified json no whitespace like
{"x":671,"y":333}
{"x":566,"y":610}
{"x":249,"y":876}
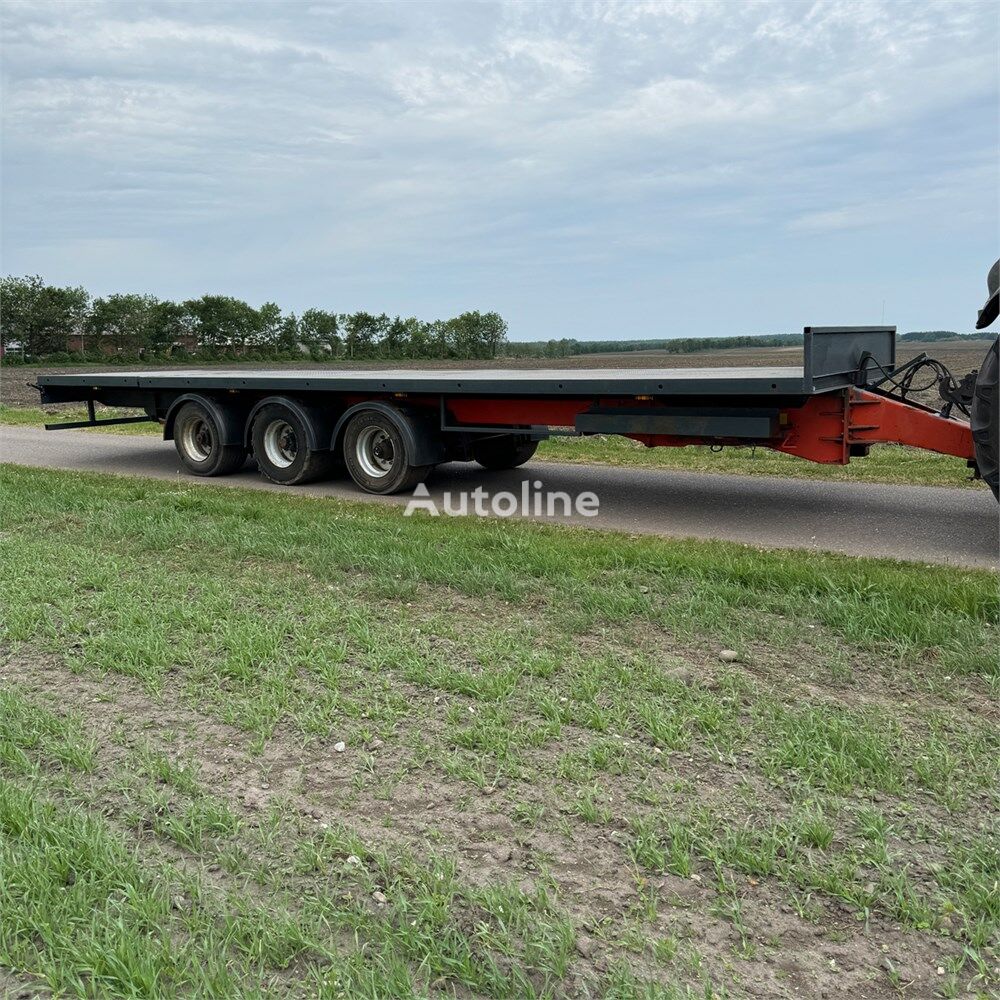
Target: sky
{"x":589,"y":170}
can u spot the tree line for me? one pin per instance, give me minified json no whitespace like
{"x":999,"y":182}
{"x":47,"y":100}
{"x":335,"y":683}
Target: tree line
{"x":933,"y":336}
{"x":39,"y":321}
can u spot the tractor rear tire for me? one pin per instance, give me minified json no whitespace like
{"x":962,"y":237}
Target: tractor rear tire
{"x":985,"y":419}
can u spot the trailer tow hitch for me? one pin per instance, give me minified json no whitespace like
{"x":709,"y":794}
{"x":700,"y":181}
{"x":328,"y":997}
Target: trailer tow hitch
{"x":958,"y":393}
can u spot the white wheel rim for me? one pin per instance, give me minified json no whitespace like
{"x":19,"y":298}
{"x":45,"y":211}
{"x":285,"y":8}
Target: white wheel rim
{"x":280,"y":444}
{"x":197,"y":440}
{"x":375,"y":452}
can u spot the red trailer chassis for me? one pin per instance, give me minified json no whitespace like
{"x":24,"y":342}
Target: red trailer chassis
{"x":829,"y":429}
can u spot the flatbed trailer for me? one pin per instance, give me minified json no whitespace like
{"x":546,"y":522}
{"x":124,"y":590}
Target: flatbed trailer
{"x":391,"y":428}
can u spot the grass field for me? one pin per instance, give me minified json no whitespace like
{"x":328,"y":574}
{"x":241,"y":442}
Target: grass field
{"x":262,"y":745}
{"x":35,"y":416}
{"x":885,"y":464}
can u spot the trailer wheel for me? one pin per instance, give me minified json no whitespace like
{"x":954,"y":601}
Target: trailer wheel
{"x":507,"y":452}
{"x":198,"y":440}
{"x":376,"y":455}
{"x":281,"y":447}
{"x":985,"y":419}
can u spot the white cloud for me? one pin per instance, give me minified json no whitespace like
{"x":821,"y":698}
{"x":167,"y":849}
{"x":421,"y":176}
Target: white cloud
{"x":525,"y":134}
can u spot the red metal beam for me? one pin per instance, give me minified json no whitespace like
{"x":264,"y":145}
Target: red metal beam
{"x":825,"y":429}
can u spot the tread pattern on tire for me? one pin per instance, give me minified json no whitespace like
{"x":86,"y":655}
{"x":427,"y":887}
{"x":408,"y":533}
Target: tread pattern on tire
{"x":985,"y":419}
{"x":316,"y":467}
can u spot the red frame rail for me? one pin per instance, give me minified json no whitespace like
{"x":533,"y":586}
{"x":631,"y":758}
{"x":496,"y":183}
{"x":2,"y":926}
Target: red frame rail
{"x":829,"y":428}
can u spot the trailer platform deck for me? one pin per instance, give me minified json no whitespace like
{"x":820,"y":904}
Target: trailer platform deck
{"x":833,"y":358}
{"x":788,"y":381}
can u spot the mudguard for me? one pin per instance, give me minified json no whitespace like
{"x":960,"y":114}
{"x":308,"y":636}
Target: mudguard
{"x":424,"y":443}
{"x":227,"y":419}
{"x":317,"y":420}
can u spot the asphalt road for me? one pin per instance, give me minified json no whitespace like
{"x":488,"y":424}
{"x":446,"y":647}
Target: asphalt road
{"x":923,"y":524}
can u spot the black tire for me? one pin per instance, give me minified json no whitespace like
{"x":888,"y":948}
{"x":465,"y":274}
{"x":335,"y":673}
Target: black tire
{"x":198,"y":440}
{"x":985,"y":419}
{"x":506,"y":452}
{"x":376,"y":455}
{"x":281,"y":447}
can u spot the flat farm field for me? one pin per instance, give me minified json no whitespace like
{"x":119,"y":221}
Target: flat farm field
{"x":258,"y":745}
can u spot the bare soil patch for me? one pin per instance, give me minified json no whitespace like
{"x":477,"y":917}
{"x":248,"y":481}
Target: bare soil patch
{"x":770,"y":951}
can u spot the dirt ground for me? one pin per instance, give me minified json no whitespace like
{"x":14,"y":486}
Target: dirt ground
{"x":16,"y":383}
{"x":821,"y":951}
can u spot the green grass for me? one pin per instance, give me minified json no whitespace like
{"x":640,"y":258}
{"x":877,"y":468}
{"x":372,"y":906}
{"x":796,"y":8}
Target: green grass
{"x":34,"y":416}
{"x":886,"y":463}
{"x":92,"y":913}
{"x":895,"y":464}
{"x":520,"y":688}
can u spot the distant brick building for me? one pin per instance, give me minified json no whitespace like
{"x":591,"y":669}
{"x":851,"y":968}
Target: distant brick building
{"x":77,"y":343}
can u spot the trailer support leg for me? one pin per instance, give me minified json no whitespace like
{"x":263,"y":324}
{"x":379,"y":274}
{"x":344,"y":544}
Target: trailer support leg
{"x":93,"y":421}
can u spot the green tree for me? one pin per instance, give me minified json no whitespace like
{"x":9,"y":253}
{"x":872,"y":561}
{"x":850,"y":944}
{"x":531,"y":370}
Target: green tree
{"x":288,"y":335}
{"x":320,"y":329}
{"x":475,"y":335}
{"x":419,"y":341}
{"x":122,"y":322}
{"x":169,"y":324}
{"x":493,"y":334}
{"x":439,"y":339}
{"x":363,"y":332}
{"x":223,"y":323}
{"x":395,"y":343}
{"x":40,"y":318}
{"x":266,"y":326}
